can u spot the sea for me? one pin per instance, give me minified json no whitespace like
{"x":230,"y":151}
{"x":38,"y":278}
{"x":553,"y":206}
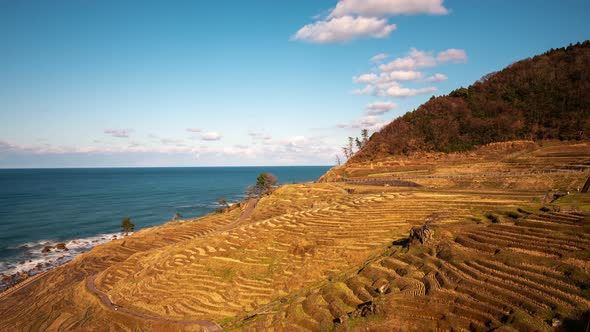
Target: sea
{"x":84,"y":207}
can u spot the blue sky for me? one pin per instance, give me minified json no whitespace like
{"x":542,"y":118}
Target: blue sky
{"x":200,"y":83}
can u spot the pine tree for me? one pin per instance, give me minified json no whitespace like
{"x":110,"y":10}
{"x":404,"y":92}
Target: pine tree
{"x":127,"y":225}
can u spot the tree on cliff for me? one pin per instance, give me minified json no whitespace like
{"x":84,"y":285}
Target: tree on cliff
{"x":264,"y":182}
{"x":223,"y":202}
{"x":127,"y":225}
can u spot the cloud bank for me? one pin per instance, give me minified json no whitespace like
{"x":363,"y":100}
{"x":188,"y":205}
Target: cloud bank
{"x":379,"y":107}
{"x":355,"y":19}
{"x":211,"y":136}
{"x":379,"y":8}
{"x":119,"y":133}
{"x":346,"y":28}
{"x":385,"y":80}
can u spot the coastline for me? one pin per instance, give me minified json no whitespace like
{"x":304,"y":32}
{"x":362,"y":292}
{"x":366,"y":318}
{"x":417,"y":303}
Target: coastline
{"x":45,"y":255}
{"x":22,"y":274}
{"x":81,"y":208}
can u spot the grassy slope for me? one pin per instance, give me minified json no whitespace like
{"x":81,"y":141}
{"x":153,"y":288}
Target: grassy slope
{"x":297,"y":258}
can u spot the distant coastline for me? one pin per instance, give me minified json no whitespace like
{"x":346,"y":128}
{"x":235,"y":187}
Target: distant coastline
{"x":83,"y":207}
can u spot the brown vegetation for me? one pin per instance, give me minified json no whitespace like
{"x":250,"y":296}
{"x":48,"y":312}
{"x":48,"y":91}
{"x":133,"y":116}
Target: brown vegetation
{"x":330,"y":256}
{"x":544,"y":97}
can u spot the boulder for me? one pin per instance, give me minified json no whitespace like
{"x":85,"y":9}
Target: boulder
{"x":381,"y":286}
{"x":61,"y":246}
{"x":47,"y":249}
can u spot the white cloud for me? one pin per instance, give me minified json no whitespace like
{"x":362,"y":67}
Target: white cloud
{"x":379,"y":57}
{"x":367,"y":90}
{"x":379,"y":107}
{"x":385,"y":80}
{"x":301,"y":150}
{"x":379,"y":8}
{"x":401,"y":92}
{"x":193,"y":130}
{"x":210,"y":136}
{"x":385,"y":77}
{"x":170,"y":141}
{"x":414,"y":60}
{"x":436,"y":78}
{"x":452,"y":55}
{"x":391,"y":89}
{"x":365,"y":78}
{"x":260,"y":136}
{"x":119,"y":133}
{"x":295,"y":143}
{"x":345,"y":28}
{"x":401,"y":75}
{"x":369,"y":122}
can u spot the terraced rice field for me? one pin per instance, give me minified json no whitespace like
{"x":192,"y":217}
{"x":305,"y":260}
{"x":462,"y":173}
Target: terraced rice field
{"x":259,"y":261}
{"x":332,"y":256}
{"x":519,"y":276}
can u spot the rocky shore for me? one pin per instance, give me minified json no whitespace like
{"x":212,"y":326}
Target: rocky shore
{"x":45,"y":255}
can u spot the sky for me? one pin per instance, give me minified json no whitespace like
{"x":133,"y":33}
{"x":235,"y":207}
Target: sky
{"x":88,"y":83}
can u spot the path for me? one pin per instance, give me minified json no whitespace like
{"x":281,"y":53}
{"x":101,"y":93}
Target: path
{"x":250,"y":206}
{"x":453,"y":176}
{"x":207,"y":325}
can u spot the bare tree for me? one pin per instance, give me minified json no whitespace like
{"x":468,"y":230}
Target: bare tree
{"x":359,"y":144}
{"x":350,"y":146}
{"x":365,"y":136}
{"x":338,"y":162}
{"x":345,"y":151}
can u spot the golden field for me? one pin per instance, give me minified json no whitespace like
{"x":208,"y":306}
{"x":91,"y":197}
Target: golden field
{"x":333,"y":255}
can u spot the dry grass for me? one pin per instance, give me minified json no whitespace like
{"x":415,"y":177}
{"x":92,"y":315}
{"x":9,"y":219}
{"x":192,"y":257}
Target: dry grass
{"x":325,"y":249}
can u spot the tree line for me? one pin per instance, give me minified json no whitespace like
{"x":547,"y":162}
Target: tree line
{"x":544,"y":97}
{"x":348,"y":149}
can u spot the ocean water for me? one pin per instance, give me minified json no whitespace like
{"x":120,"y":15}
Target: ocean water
{"x":84,"y":207}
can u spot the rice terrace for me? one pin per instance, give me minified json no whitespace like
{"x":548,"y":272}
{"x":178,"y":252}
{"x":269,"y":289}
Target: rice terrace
{"x":202,"y":166}
{"x":336,"y":255}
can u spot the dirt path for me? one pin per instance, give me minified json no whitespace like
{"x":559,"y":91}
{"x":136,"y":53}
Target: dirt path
{"x":207,"y":325}
{"x":250,"y":206}
{"x":362,"y":180}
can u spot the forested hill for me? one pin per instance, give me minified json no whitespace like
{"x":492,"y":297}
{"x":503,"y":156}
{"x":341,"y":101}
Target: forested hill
{"x":544,"y":97}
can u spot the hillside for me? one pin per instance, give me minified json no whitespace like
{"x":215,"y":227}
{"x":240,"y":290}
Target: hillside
{"x":544,"y":97}
{"x":510,"y":226}
{"x":334,"y":256}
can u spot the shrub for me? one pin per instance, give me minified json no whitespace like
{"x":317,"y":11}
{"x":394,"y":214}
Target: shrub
{"x":493,"y":218}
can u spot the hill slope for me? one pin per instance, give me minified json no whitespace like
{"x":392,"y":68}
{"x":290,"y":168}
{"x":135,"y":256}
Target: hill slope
{"x":544,"y":97}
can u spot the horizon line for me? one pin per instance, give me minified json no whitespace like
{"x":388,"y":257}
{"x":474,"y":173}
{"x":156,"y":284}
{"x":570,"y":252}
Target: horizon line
{"x":107,"y":167}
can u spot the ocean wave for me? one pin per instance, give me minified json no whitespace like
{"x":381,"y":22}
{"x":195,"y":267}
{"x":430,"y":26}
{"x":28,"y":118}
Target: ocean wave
{"x":198,"y":205}
{"x":34,"y":260}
